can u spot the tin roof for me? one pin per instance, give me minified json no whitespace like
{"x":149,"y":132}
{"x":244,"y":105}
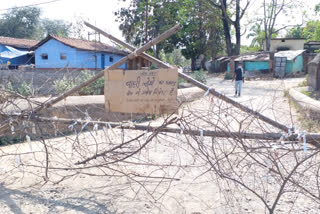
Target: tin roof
{"x":312,"y":43}
{"x":17,"y":43}
{"x":291,"y":54}
{"x":288,"y":38}
{"x":82,"y":45}
{"x":264,"y":56}
{"x":259,"y":56}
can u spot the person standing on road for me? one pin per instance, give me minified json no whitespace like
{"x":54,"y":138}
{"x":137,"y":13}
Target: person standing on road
{"x":238,"y":76}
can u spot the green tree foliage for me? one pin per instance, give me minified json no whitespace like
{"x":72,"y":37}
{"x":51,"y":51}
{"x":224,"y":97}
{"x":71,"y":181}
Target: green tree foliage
{"x":56,"y":27}
{"x":26,"y":23}
{"x":295,"y":32}
{"x":20,"y":22}
{"x":202,"y":29}
{"x":317,"y":8}
{"x":163,"y":15}
{"x":257,"y":35}
{"x":312,"y":30}
{"x":176,"y":58}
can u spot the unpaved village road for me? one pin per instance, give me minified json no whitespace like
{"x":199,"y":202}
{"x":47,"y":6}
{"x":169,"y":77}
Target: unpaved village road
{"x":265,"y":96}
{"x":73,"y":189}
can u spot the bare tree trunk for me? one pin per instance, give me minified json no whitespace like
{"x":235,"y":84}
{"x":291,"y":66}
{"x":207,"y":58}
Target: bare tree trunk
{"x":193,"y":64}
{"x":237,"y":28}
{"x":226,"y":30}
{"x":146,"y":38}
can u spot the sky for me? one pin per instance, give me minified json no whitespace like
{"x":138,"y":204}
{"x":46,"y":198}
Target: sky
{"x":101,"y":12}
{"x":97,"y":12}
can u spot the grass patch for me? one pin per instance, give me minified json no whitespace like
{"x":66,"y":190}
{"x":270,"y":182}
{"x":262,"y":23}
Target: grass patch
{"x":305,"y":82}
{"x":10,"y":140}
{"x":304,"y":119}
{"x":228,"y":76}
{"x":307,"y":93}
{"x":200,"y":75}
{"x":180,"y":80}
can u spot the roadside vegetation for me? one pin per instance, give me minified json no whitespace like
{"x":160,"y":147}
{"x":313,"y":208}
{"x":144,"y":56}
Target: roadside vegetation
{"x":306,"y":122}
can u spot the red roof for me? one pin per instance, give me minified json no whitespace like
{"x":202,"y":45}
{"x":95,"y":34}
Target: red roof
{"x":18,"y":43}
{"x":83,"y":45}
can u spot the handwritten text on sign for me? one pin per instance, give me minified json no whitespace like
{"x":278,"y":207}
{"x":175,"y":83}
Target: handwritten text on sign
{"x":142,"y":91}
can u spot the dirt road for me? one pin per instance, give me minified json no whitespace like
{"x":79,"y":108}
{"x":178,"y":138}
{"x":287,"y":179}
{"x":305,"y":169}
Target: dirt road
{"x":181,"y":178}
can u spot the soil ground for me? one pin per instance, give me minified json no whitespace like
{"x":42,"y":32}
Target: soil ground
{"x":22,"y":181}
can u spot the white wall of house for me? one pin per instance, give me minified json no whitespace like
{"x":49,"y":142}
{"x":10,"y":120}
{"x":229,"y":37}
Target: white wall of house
{"x":292,"y":44}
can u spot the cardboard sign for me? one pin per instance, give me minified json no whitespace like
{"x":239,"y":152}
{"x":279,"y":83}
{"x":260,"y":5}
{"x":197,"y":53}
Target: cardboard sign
{"x":141,"y":91}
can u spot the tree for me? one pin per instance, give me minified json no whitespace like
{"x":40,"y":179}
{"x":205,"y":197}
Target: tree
{"x":271,"y":12}
{"x":295,"y":32}
{"x":201,"y":33}
{"x":56,"y":27}
{"x":317,"y":8}
{"x":77,"y":28}
{"x":312,"y":30}
{"x":20,"y":22}
{"x":257,"y":34}
{"x":176,"y":58}
{"x":137,"y":26}
{"x":226,"y":15}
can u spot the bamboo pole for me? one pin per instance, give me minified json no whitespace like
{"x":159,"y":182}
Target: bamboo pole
{"x":126,"y":45}
{"x":112,"y":67}
{"x":232,"y":102}
{"x":198,"y":84}
{"x":312,"y":138}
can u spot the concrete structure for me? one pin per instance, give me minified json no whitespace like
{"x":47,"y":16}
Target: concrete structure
{"x":312,"y":46}
{"x":283,"y":44}
{"x":295,"y":60}
{"x":314,"y":73}
{"x":59,"y":52}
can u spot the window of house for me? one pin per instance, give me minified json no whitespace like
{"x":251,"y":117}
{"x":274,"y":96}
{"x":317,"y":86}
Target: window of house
{"x":111,"y":59}
{"x":63,"y":56}
{"x":44,"y":56}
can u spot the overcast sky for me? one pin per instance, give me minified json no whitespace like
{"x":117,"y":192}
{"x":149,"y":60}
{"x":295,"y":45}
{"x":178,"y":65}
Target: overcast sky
{"x":96,"y":12}
{"x":100,"y":12}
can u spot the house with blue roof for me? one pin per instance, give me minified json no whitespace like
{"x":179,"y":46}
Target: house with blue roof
{"x":59,"y":52}
{"x":15,"y":52}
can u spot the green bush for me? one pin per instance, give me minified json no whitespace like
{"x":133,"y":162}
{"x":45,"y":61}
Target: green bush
{"x":63,"y":85}
{"x":228,"y":76}
{"x":9,"y":87}
{"x":304,"y":83}
{"x":95,"y":88}
{"x":200,"y":76}
{"x":307,"y":93}
{"x":9,"y":140}
{"x":26,"y":89}
{"x":180,"y":80}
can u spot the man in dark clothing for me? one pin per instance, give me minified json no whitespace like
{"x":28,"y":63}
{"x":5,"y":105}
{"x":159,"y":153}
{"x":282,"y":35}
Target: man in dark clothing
{"x":238,"y":76}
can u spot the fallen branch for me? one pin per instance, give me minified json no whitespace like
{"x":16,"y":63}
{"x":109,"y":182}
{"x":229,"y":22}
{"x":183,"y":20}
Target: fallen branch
{"x":312,"y":138}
